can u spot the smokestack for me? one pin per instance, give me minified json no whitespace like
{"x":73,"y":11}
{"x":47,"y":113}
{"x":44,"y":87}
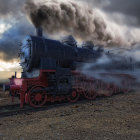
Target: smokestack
{"x":39,"y":32}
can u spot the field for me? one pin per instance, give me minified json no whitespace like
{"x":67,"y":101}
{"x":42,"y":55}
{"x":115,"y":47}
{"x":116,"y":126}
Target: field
{"x":111,"y":118}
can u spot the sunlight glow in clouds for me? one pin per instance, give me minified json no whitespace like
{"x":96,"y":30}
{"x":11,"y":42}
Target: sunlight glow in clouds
{"x":9,"y":66}
{"x":4,"y":27}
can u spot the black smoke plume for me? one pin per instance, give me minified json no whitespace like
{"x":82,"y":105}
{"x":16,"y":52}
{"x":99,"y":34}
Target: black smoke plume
{"x":76,"y":18}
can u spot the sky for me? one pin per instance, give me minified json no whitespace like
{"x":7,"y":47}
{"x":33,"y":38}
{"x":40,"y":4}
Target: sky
{"x":15,"y":25}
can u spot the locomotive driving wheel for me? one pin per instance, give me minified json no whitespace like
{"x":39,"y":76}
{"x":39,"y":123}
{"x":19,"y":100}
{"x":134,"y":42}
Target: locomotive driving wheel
{"x":73,"y":97}
{"x":126,"y":86}
{"x":90,"y":95}
{"x":37,"y":96}
{"x":110,"y":89}
{"x":90,"y":92}
{"x":104,"y":89}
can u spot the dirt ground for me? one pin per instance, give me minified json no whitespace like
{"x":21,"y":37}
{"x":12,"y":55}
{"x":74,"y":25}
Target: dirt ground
{"x":111,"y":118}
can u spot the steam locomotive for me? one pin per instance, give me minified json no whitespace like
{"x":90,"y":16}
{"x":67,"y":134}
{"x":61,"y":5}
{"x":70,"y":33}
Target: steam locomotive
{"x":51,"y":71}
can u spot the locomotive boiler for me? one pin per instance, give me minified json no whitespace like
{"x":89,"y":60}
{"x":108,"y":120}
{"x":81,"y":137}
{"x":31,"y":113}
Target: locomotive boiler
{"x":51,"y":71}
{"x":38,"y":52}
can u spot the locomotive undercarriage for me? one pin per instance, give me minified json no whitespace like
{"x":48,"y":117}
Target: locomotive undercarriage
{"x":37,"y":91}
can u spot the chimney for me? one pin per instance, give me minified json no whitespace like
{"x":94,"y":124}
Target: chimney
{"x":39,"y":32}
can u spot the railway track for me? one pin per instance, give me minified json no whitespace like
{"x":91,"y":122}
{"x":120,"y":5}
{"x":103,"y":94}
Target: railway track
{"x":10,"y":110}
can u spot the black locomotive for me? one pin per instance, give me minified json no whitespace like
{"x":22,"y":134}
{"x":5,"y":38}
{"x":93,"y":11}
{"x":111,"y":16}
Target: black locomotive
{"x":38,"y":52}
{"x":51,"y":71}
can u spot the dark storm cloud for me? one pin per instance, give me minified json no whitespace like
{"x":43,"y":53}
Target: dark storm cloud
{"x":11,"y":38}
{"x":10,"y":7}
{"x":12,"y":12}
{"x":130,"y":9}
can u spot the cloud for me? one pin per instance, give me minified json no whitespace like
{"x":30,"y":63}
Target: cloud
{"x":12,"y":14}
{"x":97,"y":3}
{"x":13,"y":27}
{"x":7,"y":69}
{"x":11,"y":38}
{"x":10,"y":7}
{"x":4,"y":27}
{"x":9,"y":66}
{"x":127,"y":7}
{"x":4,"y":76}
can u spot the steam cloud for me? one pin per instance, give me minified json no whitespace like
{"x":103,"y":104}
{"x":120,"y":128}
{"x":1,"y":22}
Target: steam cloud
{"x":76,"y":18}
{"x":116,"y":66}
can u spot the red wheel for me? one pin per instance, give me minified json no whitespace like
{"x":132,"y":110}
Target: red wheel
{"x":73,"y":97}
{"x":110,"y":90}
{"x":90,"y":95}
{"x":126,"y":86}
{"x":104,"y":89}
{"x":37,"y":96}
{"x":90,"y":92}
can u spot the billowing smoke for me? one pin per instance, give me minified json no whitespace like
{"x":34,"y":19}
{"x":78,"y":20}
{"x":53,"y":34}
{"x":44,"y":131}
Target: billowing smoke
{"x":77,"y":18}
{"x":115,"y":66}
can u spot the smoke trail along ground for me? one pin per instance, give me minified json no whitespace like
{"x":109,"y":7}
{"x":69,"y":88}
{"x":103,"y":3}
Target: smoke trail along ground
{"x":76,"y":18}
{"x":113,"y":66}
